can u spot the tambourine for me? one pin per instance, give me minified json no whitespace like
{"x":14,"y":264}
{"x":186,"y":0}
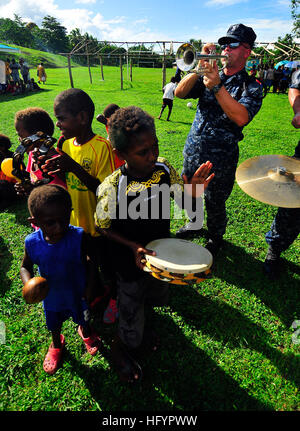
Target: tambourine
{"x":178,"y":261}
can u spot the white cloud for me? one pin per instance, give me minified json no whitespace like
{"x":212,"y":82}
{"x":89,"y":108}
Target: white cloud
{"x":119,"y":28}
{"x":86,"y":1}
{"x":268,"y":30}
{"x":285,"y":3}
{"x":223,"y":3}
{"x":141,"y":21}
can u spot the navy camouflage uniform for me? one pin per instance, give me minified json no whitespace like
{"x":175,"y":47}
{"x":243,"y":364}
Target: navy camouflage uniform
{"x":286,"y":224}
{"x":213,"y":136}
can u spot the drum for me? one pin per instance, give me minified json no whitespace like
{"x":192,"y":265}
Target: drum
{"x":178,"y":261}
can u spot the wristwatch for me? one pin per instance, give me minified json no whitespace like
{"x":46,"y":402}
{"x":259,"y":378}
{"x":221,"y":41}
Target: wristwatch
{"x":217,"y":88}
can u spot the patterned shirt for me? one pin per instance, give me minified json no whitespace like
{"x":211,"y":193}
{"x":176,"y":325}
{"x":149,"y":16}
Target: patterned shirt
{"x":138,"y":209}
{"x":212,"y":131}
{"x":296,"y":80}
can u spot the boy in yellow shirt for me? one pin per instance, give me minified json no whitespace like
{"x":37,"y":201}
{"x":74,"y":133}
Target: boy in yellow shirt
{"x":85,"y":158}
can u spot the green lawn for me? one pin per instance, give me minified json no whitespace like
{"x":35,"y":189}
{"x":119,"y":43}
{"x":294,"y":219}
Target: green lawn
{"x":226,"y":343}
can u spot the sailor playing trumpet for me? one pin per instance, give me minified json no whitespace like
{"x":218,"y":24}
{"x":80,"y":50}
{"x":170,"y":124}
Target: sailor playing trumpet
{"x":228,"y":100}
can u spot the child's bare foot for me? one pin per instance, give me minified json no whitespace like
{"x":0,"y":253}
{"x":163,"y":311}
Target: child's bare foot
{"x":127,"y":368}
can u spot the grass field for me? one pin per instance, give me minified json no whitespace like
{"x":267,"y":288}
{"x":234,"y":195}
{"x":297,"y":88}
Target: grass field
{"x":33,"y":57}
{"x":226,"y":343}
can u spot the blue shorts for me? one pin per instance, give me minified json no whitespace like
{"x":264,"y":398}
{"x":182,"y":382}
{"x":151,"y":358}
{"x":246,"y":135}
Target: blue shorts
{"x":55,"y":319}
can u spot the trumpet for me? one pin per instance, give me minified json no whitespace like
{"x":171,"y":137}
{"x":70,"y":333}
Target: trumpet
{"x":187,"y":57}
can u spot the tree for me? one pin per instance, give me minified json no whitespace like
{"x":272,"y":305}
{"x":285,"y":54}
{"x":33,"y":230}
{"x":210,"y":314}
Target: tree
{"x":296,"y":17}
{"x":54,"y":35}
{"x":74,"y":37}
{"x":197,"y":44}
{"x":15,"y":31}
{"x":82,"y":42}
{"x":147,"y":56}
{"x":286,"y":44}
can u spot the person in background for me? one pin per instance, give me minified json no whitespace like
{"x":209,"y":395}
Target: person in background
{"x":284,"y":82}
{"x":34,"y":86}
{"x":269,"y":77}
{"x":24,"y":71}
{"x":253,"y":71}
{"x":168,"y":97}
{"x":15,"y":67}
{"x":277,"y":77}
{"x":7,"y":71}
{"x":286,"y":224}
{"x":108,"y":111}
{"x":41,"y":73}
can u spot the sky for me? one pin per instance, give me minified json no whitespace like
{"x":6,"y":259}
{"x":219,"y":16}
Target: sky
{"x":158,"y":20}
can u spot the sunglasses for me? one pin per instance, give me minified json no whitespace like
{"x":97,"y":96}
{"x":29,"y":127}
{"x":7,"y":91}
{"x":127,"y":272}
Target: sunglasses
{"x":232,"y":45}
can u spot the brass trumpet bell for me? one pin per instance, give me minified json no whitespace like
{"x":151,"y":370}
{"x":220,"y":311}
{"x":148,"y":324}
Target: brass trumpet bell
{"x":187,"y":58}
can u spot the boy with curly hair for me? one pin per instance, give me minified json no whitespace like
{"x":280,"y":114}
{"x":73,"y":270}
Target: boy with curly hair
{"x":133,"y":137}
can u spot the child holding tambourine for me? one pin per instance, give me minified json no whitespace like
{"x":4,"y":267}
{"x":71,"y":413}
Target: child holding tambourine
{"x":133,"y":137}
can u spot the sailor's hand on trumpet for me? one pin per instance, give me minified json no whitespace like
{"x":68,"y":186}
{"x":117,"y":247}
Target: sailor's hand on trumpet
{"x":203,"y":64}
{"x":208,"y":48}
{"x":211,"y":76}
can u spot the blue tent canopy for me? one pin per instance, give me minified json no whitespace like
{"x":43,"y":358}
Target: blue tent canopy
{"x":6,"y":48}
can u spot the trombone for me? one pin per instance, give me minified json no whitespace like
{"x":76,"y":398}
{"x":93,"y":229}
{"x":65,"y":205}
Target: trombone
{"x":187,"y":57}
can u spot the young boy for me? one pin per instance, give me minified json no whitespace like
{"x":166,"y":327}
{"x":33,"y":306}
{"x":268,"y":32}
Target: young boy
{"x":86,"y":159}
{"x":168,"y":97}
{"x":28,"y":122}
{"x":60,"y":251}
{"x":108,"y":111}
{"x":132,"y":134}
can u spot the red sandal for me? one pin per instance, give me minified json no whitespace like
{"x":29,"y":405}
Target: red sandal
{"x":92,"y":343}
{"x":53,"y":358}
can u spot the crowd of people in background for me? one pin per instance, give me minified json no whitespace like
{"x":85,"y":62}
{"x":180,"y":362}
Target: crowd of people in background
{"x":278,"y":78}
{"x":17,"y":77}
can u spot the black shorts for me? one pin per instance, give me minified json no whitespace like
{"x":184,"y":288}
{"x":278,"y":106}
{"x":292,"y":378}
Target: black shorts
{"x":168,"y":102}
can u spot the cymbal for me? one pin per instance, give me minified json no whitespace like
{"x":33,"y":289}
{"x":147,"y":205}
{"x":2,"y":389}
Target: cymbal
{"x":272,"y":179}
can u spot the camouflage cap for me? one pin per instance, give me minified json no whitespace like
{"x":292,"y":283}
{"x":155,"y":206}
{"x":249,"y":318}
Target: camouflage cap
{"x":240,"y":33}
